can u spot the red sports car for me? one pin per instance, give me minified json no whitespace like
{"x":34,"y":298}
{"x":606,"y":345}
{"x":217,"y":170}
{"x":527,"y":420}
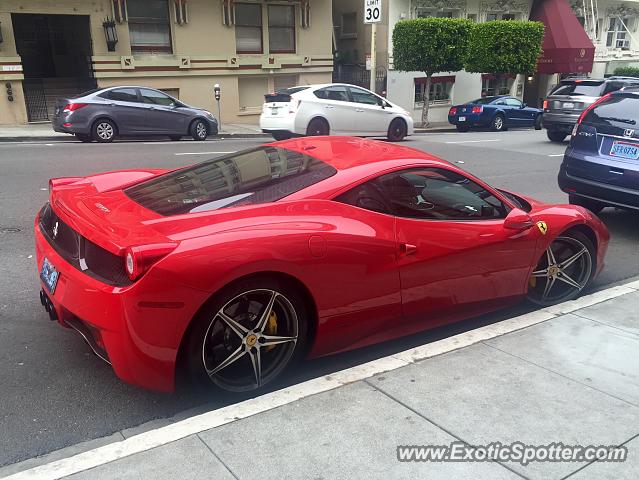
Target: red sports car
{"x":234,"y":268}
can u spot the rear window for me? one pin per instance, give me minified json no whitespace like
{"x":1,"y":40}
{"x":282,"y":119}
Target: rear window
{"x":583,"y":87}
{"x":284,"y":95}
{"x":251,"y":177}
{"x":484,"y":101}
{"x":620,"y":111}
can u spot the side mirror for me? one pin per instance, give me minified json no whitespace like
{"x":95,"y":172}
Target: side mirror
{"x":523,"y":105}
{"x":518,"y":220}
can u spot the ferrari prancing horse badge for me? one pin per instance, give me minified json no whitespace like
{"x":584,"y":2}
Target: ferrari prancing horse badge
{"x":543,"y":228}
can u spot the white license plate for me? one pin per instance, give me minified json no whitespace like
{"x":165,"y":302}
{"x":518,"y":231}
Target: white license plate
{"x":569,"y":105}
{"x":49,"y":276}
{"x":462,"y":119}
{"x":274,"y":111}
{"x":625,"y":150}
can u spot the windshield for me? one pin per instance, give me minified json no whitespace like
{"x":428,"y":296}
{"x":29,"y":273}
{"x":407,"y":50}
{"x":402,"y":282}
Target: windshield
{"x":250,"y":177}
{"x":586,"y":88}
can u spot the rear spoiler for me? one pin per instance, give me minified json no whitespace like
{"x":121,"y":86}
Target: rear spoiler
{"x":279,"y":97}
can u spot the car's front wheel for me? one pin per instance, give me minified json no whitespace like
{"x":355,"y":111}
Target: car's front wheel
{"x":564,"y":270}
{"x":103,"y":131}
{"x":198,"y":130}
{"x":397,"y":130}
{"x":592,"y":205}
{"x":248,"y":335}
{"x":555,"y":136}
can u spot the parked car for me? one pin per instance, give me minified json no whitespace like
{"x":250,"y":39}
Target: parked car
{"x":571,"y":97}
{"x":333,"y":109}
{"x":230,"y":270}
{"x":107,"y":113}
{"x":601,"y":164}
{"x":498,"y":112}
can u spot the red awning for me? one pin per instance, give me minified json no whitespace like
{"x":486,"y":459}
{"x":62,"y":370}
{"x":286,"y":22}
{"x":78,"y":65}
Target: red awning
{"x":566,"y":46}
{"x":440,"y":79}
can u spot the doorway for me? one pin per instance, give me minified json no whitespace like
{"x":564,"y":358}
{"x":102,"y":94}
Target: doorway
{"x":56,"y":59}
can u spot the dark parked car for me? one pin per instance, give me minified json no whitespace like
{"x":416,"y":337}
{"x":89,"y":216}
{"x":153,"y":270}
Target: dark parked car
{"x":601,"y":164}
{"x":498,"y":113}
{"x":572,"y":96}
{"x":107,"y":113}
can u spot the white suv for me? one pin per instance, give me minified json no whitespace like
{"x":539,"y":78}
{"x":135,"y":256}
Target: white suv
{"x":333,"y":109}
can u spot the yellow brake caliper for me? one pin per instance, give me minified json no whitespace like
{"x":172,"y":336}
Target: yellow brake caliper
{"x":271,"y":327}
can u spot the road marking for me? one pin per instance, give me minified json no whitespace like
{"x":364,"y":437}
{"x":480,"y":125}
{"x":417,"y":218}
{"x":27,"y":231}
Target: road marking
{"x":556,"y":155}
{"x":206,"y":421}
{"x":477,"y":141}
{"x":202,"y":153}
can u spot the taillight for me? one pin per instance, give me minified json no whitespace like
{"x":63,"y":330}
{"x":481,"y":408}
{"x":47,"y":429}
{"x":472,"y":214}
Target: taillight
{"x":138,"y":260}
{"x":478,"y":109}
{"x":72,"y":107}
{"x":452,"y":111}
{"x":545,"y":104}
{"x":293,"y":106}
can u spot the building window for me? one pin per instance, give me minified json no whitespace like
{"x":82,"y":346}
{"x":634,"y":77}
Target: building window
{"x":491,"y":86}
{"x":149,"y":26}
{"x":502,"y":16}
{"x":248,"y":28}
{"x":444,"y":13}
{"x":251,"y":92}
{"x":472,"y":17}
{"x":281,"y":28}
{"x":618,"y":36}
{"x":349,"y":25}
{"x":282,"y":82}
{"x":440,"y":90}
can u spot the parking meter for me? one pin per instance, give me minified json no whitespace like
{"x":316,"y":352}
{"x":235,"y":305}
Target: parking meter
{"x":216,"y":92}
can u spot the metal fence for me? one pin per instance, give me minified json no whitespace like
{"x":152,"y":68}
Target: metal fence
{"x":40,"y":94}
{"x":357,"y":75}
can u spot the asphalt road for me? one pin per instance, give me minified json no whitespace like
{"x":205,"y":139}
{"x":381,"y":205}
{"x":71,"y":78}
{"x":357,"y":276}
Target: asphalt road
{"x":55,"y":393}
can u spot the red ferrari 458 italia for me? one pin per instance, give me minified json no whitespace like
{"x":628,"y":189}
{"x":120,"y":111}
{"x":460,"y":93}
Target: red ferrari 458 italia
{"x":234,"y":268}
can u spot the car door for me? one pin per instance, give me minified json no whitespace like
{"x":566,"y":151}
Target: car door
{"x":456,"y":258}
{"x":371,"y":116}
{"x":517,"y":113}
{"x":334,"y":104}
{"x":162,"y":114}
{"x":128,"y":111}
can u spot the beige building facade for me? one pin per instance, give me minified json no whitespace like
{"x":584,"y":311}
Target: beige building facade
{"x":184,"y":47}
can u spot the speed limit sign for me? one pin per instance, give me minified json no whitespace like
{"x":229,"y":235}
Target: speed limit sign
{"x":372,"y":11}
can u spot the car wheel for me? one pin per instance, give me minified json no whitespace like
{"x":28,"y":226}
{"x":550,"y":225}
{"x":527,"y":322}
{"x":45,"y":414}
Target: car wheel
{"x":249,"y":334}
{"x":317,"y":126}
{"x":103,"y":131}
{"x":83,"y":137}
{"x":175,"y":138}
{"x":462,"y":128}
{"x":198,"y":130}
{"x":564,"y":270}
{"x":498,"y":124}
{"x":592,"y":205}
{"x":397,"y":130}
{"x":538,"y":122}
{"x":281,"y":136}
{"x":555,"y":136}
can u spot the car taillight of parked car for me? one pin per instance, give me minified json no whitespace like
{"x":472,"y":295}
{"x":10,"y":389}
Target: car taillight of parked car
{"x":72,"y":107}
{"x":478,"y":109}
{"x":586,"y":111}
{"x":545,"y":104}
{"x":452,"y":111}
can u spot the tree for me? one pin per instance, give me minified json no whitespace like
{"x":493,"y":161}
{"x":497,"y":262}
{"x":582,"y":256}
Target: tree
{"x":430,"y":45}
{"x":627,"y":71}
{"x":505,"y":47}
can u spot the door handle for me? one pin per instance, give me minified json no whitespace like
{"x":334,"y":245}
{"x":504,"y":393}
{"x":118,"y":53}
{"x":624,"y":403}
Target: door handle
{"x":407,"y":249}
{"x":151,"y":108}
{"x":329,"y":106}
{"x":359,"y":110}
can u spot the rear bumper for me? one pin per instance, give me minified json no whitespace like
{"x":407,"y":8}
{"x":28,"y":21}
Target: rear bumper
{"x":138,"y":327}
{"x":64,"y":123}
{"x":559,"y":122}
{"x":278,"y":124}
{"x":471,"y":120}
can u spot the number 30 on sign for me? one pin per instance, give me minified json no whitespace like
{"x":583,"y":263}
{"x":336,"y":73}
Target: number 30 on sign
{"x":372,"y":11}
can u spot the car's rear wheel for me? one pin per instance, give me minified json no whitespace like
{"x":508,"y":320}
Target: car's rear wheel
{"x":592,"y":205}
{"x":83,"y":137}
{"x":538,"y":122}
{"x":564,"y":270}
{"x":248,"y":335}
{"x":175,"y":138}
{"x":317,"y":126}
{"x":397,"y":130}
{"x":462,"y":128}
{"x":555,"y":136}
{"x":198,"y":130}
{"x":103,"y":131}
{"x":498,"y":124}
{"x":281,"y":136}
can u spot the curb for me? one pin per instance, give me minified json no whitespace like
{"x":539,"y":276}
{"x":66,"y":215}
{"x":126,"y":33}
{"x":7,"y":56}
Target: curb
{"x":57,"y":469}
{"x":70,"y":138}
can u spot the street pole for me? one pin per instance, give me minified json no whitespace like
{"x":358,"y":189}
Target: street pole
{"x":373,"y":82}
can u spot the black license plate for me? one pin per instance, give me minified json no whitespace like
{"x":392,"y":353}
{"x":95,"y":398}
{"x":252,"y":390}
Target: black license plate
{"x":49,"y":276}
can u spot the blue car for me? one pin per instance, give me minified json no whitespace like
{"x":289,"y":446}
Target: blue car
{"x":601,"y":164}
{"x":497,"y":113}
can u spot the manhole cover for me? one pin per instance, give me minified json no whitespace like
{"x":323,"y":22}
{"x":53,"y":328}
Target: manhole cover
{"x":9,"y":229}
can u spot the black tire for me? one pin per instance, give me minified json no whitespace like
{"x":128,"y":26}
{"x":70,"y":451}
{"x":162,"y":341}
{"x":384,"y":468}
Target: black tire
{"x":555,"y":136}
{"x":104,"y":131}
{"x":498,"y":124}
{"x":85,"y":138}
{"x":279,"y":136}
{"x":462,"y":128}
{"x":592,"y":205}
{"x":317,"y":127}
{"x":580,"y":271}
{"x":175,"y":138}
{"x":538,"y":122}
{"x":397,"y":130}
{"x":198,"y":130}
{"x":239,"y":376}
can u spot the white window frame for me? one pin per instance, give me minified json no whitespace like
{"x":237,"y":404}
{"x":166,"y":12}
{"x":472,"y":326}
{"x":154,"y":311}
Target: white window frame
{"x":445,"y":90}
{"x":425,"y":12}
{"x":619,"y":38}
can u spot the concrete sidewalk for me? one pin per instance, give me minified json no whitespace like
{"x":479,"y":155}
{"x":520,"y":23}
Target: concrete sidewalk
{"x":568,"y":374}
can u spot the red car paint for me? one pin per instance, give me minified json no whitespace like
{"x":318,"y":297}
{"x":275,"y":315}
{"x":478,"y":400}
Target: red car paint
{"x":354,"y":263}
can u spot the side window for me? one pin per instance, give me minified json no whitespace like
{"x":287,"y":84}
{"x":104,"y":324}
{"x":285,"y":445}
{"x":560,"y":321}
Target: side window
{"x":362,"y":96}
{"x":439,"y":194}
{"x":513,"y":102}
{"x":155,"y":98}
{"x":369,"y":196}
{"x":124,"y":95}
{"x":612,"y":87}
{"x":500,"y":101}
{"x":337,"y":93}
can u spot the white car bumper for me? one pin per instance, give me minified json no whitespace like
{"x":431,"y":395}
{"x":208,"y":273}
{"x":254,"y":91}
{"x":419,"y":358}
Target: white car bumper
{"x":270,"y":124}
